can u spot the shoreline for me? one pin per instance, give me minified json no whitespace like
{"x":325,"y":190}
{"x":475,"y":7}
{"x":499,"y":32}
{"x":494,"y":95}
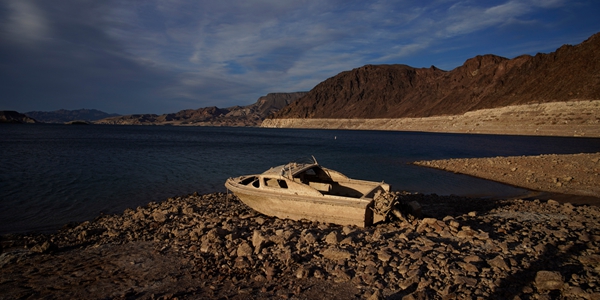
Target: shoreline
{"x":213,"y":246}
{"x":567,"y":119}
{"x":560,"y":175}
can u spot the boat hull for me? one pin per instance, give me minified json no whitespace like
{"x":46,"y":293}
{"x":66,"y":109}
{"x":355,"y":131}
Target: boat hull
{"x":327,"y":209}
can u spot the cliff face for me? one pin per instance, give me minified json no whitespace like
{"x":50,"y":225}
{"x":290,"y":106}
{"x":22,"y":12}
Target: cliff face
{"x":250,"y":115}
{"x":488,"y":81}
{"x":10,"y":116}
{"x":565,"y":118}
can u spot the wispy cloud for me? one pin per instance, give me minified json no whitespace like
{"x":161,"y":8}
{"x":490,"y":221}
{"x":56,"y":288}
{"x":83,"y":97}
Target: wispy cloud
{"x":167,"y":55}
{"x":26,"y":22}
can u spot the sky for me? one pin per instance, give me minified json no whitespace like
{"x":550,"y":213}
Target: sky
{"x":163,"y":56}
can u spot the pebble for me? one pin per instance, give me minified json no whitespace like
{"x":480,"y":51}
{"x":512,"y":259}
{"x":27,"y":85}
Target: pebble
{"x":213,"y":244}
{"x":548,"y":280}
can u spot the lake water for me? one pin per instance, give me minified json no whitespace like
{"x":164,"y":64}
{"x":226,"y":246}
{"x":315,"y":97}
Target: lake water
{"x":54,"y":174}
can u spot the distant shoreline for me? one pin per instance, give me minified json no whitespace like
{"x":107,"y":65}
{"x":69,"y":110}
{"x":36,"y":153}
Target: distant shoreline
{"x":567,"y":119}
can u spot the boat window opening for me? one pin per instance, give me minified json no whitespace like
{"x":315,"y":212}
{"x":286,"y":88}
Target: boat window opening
{"x":282,"y":184}
{"x":275,"y":183}
{"x":248,"y":180}
{"x":270,"y":182}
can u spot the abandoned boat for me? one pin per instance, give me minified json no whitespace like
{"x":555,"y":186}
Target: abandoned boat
{"x":309,"y":191}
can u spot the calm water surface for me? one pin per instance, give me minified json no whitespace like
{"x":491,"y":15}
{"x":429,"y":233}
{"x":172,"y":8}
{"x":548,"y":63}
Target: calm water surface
{"x":54,"y":174}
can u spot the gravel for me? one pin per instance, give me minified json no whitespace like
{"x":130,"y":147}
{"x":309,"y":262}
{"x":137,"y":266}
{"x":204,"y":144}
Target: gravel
{"x":213,"y":246}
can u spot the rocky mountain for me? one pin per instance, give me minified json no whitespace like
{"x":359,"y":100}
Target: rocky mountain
{"x":250,"y":115}
{"x":64,"y":116}
{"x":488,"y":81}
{"x":10,"y":116}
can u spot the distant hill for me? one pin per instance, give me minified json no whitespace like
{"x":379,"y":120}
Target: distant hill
{"x":10,"y":116}
{"x":488,"y":81}
{"x":64,"y":116}
{"x":250,"y":115}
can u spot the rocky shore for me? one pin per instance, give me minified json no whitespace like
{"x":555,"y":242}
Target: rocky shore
{"x":572,"y":174}
{"x":214,"y":247}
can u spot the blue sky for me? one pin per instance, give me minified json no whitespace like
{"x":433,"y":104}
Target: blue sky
{"x":161,"y":56}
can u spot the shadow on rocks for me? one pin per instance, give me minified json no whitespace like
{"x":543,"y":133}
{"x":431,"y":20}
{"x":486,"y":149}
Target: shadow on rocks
{"x":435,"y":206}
{"x":555,"y":261}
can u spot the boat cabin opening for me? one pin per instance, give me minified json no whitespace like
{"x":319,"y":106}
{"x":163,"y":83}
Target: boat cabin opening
{"x":308,"y":179}
{"x":266,"y":181}
{"x":322,"y":181}
{"x":276,"y":183}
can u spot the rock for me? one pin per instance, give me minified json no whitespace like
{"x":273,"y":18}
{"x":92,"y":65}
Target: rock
{"x":472,"y":258}
{"x":188,"y":210}
{"x":302,"y":272}
{"x":318,"y":274}
{"x":384,"y":255}
{"x":408,"y":282}
{"x":482,"y":235}
{"x":44,"y":247}
{"x":159,"y":216}
{"x":333,"y":238}
{"x":377,"y":295}
{"x":548,"y":280}
{"x":454,"y":224}
{"x":577,"y":292}
{"x":425,"y":224}
{"x":370,"y":269}
{"x":465,"y":280}
{"x":285,"y":256}
{"x":259,"y":278}
{"x":215,"y":234}
{"x":347,"y":241}
{"x":241,"y":263}
{"x":83,"y":235}
{"x":244,"y":249}
{"x":342,"y":276}
{"x":270,"y":271}
{"x":277,"y":239}
{"x":469,"y":267}
{"x":415,"y":209}
{"x":498,"y":262}
{"x":220,"y":247}
{"x":205,"y":246}
{"x":258,"y":241}
{"x":347,"y":230}
{"x":336,"y":254}
{"x":466,"y":233}
{"x":139,"y":214}
{"x":310,"y":238}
